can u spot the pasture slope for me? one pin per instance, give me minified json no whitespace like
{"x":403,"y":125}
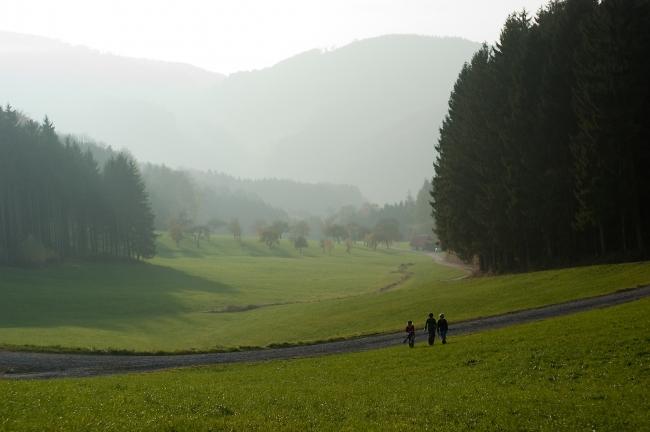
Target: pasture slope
{"x":225,"y":295}
{"x":34,"y":365}
{"x":584,"y":372}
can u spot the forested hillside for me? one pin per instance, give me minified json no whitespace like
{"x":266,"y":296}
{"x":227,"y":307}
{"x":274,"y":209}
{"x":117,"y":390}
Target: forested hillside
{"x":149,"y":107}
{"x":56,"y":202}
{"x":543,"y":156}
{"x":202,"y":196}
{"x":175,"y":194}
{"x":296,"y":198}
{"x":365,"y":114}
{"x":411,"y":217}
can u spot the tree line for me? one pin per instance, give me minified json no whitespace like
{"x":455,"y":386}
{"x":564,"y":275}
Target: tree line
{"x":181,"y":197}
{"x":55,"y":201}
{"x":412,"y":217}
{"x":543,"y":156}
{"x":370,"y":224}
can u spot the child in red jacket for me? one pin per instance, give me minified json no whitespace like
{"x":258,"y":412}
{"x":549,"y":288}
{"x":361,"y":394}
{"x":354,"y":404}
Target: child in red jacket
{"x":410,"y":333}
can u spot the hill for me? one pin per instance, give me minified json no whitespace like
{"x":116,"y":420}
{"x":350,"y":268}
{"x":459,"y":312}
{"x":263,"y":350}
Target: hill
{"x":205,"y":195}
{"x":365,"y":114}
{"x":152,"y":108}
{"x":299,"y":199}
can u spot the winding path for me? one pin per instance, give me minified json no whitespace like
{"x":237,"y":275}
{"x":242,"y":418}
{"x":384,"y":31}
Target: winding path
{"x":25,"y":365}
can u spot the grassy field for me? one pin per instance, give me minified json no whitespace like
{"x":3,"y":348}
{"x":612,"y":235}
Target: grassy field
{"x":585,"y":372}
{"x":176,"y":302}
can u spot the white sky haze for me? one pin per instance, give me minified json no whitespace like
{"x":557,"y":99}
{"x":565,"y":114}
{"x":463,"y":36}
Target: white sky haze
{"x":231,"y":35}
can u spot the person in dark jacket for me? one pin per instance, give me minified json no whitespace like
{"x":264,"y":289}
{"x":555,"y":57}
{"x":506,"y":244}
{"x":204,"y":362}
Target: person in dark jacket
{"x":410,"y":333}
{"x":442,"y":328}
{"x":431,"y":327}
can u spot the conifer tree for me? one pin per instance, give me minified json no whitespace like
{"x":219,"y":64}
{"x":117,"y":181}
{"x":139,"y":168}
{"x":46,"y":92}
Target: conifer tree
{"x":542,"y":158}
{"x":55,"y":204}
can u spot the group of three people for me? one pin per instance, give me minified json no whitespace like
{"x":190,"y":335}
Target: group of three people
{"x":431,"y":326}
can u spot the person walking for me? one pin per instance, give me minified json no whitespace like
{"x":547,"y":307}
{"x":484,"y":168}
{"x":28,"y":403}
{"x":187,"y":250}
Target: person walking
{"x":442,"y":328}
{"x":410,"y":333}
{"x":431,"y":327}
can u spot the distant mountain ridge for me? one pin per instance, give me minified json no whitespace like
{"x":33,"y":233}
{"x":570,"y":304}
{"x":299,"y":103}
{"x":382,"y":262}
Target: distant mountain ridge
{"x":298,"y":199}
{"x":365,"y":114}
{"x":281,"y":198}
{"x":150,"y":107}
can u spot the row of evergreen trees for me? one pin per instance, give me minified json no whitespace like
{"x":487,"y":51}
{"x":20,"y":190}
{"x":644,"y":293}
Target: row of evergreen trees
{"x":413,"y":215}
{"x":544,"y":156}
{"x":55,"y":202}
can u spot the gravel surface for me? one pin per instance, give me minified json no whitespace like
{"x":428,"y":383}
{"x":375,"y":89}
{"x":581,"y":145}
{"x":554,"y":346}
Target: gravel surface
{"x":26,"y":365}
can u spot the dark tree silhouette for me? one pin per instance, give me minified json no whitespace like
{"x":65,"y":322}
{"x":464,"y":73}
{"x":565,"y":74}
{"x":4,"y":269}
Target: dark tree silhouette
{"x":56,"y":203}
{"x":542,"y":158}
{"x":300,"y":243}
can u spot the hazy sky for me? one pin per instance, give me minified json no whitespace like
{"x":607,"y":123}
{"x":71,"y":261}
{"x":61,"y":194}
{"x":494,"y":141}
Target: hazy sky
{"x":230,"y":35}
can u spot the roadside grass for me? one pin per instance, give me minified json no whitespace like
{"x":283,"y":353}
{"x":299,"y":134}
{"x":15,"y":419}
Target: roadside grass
{"x":175,"y":302}
{"x":584,"y":372}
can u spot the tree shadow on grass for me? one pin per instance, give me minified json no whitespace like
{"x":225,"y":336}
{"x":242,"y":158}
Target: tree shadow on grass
{"x":97,"y":295}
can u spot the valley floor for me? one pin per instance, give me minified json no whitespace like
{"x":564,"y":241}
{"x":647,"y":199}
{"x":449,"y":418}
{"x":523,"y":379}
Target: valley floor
{"x":25,"y":365}
{"x":584,"y":372}
{"x":228,"y":295}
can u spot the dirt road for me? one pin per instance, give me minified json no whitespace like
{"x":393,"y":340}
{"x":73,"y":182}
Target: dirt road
{"x":26,"y":365}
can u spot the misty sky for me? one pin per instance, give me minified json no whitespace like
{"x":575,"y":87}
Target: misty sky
{"x":231,"y":35}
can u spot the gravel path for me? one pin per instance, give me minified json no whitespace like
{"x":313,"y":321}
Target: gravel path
{"x":25,"y":365}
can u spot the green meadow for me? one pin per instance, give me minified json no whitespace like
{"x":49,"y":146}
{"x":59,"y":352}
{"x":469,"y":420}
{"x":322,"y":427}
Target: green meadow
{"x":584,"y":372}
{"x":225,"y":295}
